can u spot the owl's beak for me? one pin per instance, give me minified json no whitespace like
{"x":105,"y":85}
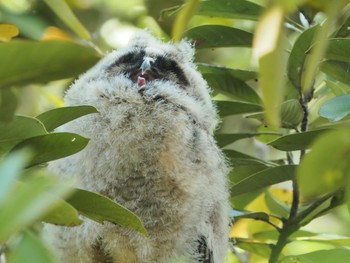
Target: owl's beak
{"x":146,"y":64}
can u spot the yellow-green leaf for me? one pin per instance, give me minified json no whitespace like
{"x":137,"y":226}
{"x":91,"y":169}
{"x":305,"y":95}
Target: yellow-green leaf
{"x":7,"y":32}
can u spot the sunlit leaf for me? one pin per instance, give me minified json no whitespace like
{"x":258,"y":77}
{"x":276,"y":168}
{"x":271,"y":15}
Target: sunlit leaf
{"x":214,"y":36}
{"x":63,"y":11}
{"x":269,"y":51}
{"x":19,"y":129}
{"x":30,"y":249}
{"x":101,"y":208}
{"x":52,"y":146}
{"x":7,"y":32}
{"x":276,"y":206}
{"x":264,"y":178}
{"x":324,"y":168}
{"x":56,"y":117}
{"x":239,"y":9}
{"x":227,"y":108}
{"x":296,"y":141}
{"x":336,"y":108}
{"x":44,"y":61}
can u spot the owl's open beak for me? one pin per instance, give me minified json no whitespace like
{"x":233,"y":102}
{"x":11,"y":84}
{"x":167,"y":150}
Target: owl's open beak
{"x":145,"y":67}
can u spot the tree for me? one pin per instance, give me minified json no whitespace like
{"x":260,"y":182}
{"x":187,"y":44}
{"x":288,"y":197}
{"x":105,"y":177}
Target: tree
{"x":291,"y":99}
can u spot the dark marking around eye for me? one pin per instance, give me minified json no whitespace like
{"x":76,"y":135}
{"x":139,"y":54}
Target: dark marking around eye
{"x":131,"y":59}
{"x":164,"y":64}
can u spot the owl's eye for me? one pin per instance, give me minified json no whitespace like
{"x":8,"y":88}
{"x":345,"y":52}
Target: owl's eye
{"x":170,"y":70}
{"x":127,"y":62}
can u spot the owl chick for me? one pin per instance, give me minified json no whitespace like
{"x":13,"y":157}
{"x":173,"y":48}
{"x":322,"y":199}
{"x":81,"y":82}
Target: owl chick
{"x":151,"y":150}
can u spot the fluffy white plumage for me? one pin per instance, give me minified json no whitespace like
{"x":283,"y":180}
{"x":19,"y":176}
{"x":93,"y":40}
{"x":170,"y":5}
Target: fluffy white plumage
{"x":151,"y":150}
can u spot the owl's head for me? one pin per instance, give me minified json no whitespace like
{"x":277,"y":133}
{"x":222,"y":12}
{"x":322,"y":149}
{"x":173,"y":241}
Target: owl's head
{"x":147,"y":70}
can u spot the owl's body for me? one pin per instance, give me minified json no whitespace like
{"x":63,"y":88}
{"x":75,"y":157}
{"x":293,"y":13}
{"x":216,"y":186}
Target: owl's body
{"x":152,"y":151}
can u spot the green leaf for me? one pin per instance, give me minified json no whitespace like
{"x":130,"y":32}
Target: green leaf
{"x":24,"y":62}
{"x":227,"y":108}
{"x":10,"y":169}
{"x":19,"y":129}
{"x":214,"y":36}
{"x":237,"y":214}
{"x":52,"y":146}
{"x":264,"y":178}
{"x":30,"y":249}
{"x":324,"y":169}
{"x":262,"y":249}
{"x":239,"y":9}
{"x":321,"y":256}
{"x":232,"y":87}
{"x":27,"y":203}
{"x":338,"y":49}
{"x":297,"y":141}
{"x":291,"y":114}
{"x":62,"y":214}
{"x":343,"y":31}
{"x":63,"y":11}
{"x":241,"y":159}
{"x":236,"y":73}
{"x":101,"y":208}
{"x":56,"y":117}
{"x":337,"y":70}
{"x":269,"y":51}
{"x":336,"y":108}
{"x":226,"y":139}
{"x":297,"y":57}
{"x":8,"y":105}
{"x":276,"y":207}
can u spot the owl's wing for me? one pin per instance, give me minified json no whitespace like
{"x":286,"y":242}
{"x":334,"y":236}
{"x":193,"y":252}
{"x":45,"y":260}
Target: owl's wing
{"x":204,"y":251}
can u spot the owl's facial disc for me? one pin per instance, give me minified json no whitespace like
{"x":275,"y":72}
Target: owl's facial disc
{"x":142,"y":68}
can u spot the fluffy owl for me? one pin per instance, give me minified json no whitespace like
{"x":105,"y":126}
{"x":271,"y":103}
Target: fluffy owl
{"x":152,"y":151}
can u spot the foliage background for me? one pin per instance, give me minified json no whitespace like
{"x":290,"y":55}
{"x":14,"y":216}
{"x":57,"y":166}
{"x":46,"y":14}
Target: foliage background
{"x":279,"y":73}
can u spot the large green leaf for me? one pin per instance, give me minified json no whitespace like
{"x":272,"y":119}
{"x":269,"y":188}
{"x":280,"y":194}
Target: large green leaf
{"x":336,"y":108}
{"x":241,"y":159}
{"x":214,"y":36}
{"x":10,"y":169}
{"x":321,"y":256}
{"x":101,"y":208}
{"x":52,"y":146}
{"x":19,"y":129}
{"x":240,"y":9}
{"x":232,"y":87}
{"x":338,"y":49}
{"x":30,"y":249}
{"x":337,"y":70}
{"x":225,"y":139}
{"x":297,"y":57}
{"x":8,"y":105}
{"x":297,"y":141}
{"x":63,"y":11}
{"x":62,"y":214}
{"x":227,"y":108}
{"x":56,"y":117}
{"x":237,"y":214}
{"x":236,"y":73}
{"x":325,"y":168}
{"x":264,"y":178}
{"x":262,"y":249}
{"x":291,"y":114}
{"x":27,"y":203}
{"x":24,"y":62}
